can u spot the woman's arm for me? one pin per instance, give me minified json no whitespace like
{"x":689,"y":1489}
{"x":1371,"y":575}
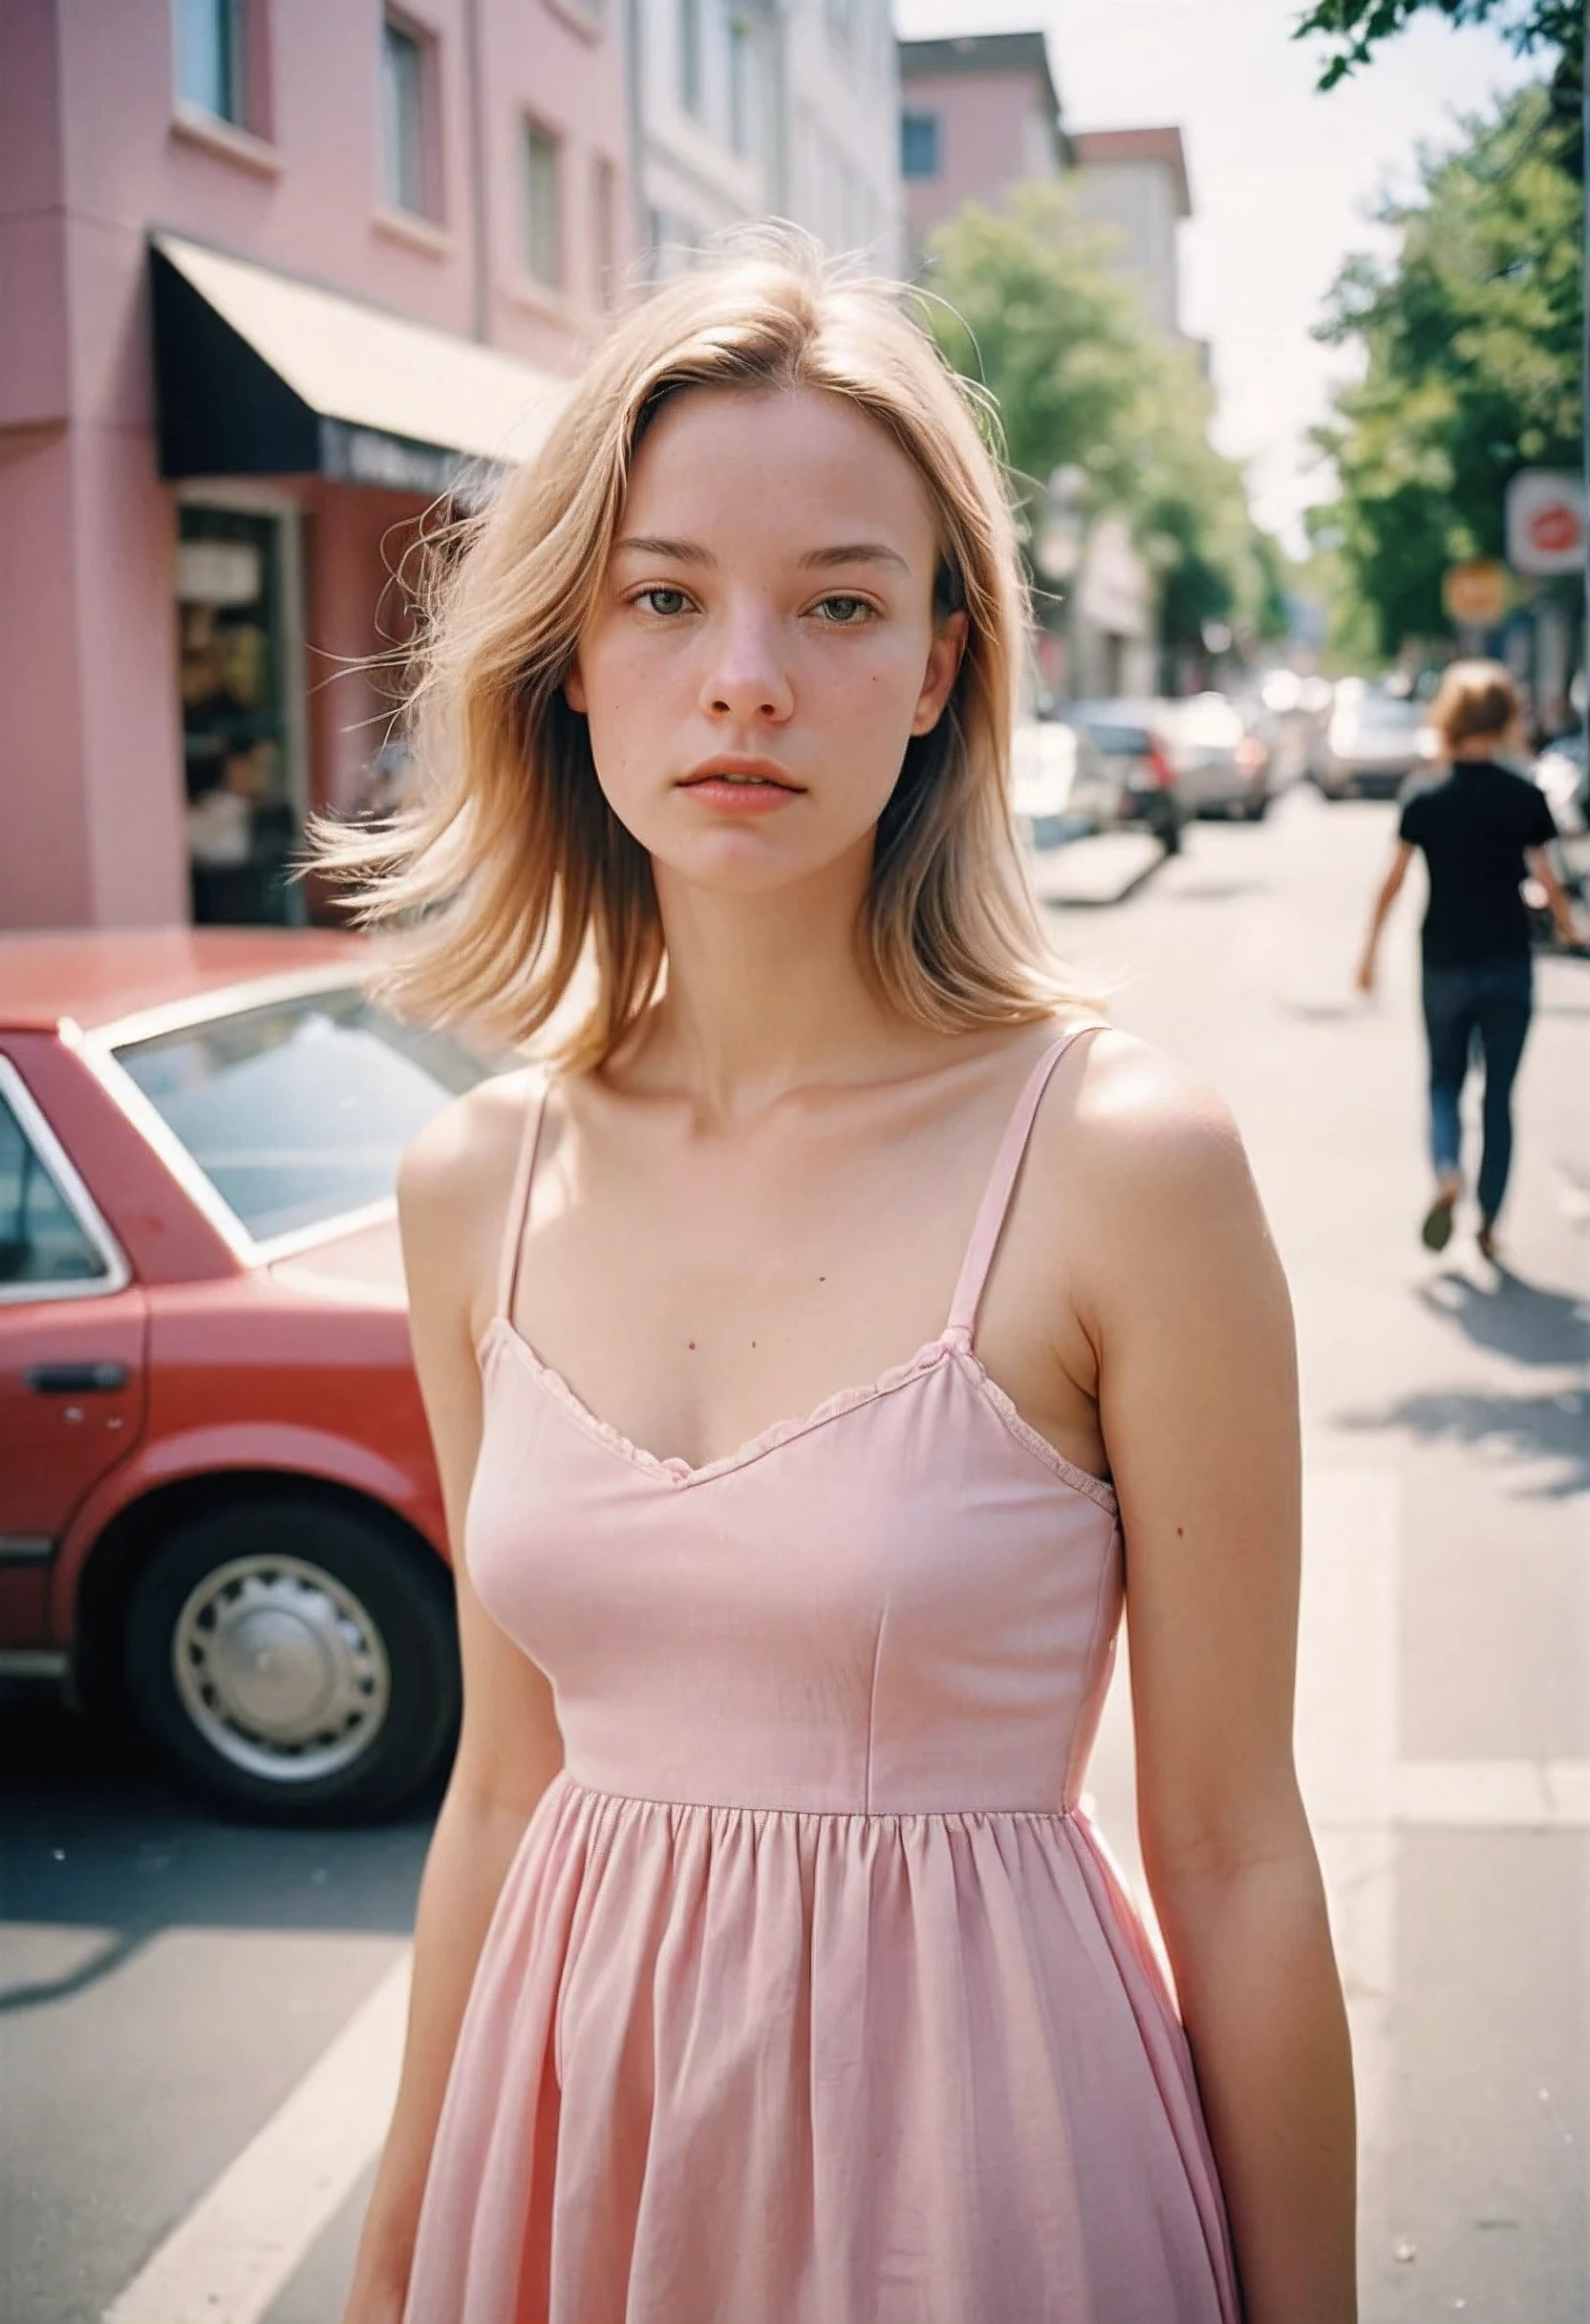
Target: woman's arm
{"x":452,"y":1195}
{"x":1188,"y":1312}
{"x":1390,"y":886}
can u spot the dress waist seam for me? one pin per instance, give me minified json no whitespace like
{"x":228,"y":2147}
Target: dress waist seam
{"x":764,"y":1812}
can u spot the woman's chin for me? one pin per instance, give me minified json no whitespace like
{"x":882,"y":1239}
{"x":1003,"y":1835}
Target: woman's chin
{"x":755,"y":859}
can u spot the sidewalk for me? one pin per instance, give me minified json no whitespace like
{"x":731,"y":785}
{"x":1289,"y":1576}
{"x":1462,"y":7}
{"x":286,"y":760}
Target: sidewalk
{"x":1101,"y":871}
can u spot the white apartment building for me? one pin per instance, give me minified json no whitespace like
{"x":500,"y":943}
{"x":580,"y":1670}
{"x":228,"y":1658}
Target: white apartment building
{"x":748,"y":109}
{"x":1134,"y":180}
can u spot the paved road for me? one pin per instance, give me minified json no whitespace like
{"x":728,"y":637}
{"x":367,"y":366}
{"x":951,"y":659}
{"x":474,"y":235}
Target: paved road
{"x":199,"y":2023}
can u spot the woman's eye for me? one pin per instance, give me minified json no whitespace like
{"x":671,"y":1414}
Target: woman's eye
{"x":847,"y":613}
{"x":665,"y":602}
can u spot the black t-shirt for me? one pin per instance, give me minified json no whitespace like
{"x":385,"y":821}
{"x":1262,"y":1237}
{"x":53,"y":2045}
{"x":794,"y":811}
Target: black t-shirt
{"x":1474,"y":826}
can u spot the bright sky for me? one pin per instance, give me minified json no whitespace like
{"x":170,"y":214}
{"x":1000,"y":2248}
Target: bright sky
{"x":1283,"y":179}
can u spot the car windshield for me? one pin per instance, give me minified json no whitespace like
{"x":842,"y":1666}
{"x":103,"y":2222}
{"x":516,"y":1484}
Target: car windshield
{"x":1386,"y":712}
{"x":1209,"y":721}
{"x":296,"y":1112}
{"x":1117,"y":741}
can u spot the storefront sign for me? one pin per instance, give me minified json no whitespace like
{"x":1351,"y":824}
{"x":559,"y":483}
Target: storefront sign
{"x":1545,"y":522}
{"x":218,"y":573}
{"x":1475,"y":595}
{"x":365,"y":455}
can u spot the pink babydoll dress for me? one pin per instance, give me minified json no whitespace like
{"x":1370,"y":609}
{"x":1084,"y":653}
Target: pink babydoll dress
{"x":811,"y":1997}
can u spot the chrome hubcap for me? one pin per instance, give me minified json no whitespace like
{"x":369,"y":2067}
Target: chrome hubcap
{"x":281,"y":1669}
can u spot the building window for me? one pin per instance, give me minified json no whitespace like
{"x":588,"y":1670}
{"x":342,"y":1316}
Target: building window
{"x":542,"y":225}
{"x":211,"y":44}
{"x":603,"y":203}
{"x":408,"y":65}
{"x":690,"y":54}
{"x":743,"y":85}
{"x":918,"y":144}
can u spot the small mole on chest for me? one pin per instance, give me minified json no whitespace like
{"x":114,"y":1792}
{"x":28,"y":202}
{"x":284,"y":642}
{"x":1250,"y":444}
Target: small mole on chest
{"x":690,"y":1344}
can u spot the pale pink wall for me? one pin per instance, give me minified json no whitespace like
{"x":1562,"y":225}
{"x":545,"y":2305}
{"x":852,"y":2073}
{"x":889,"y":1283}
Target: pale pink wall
{"x":44,"y":870}
{"x":987,"y":128}
{"x":90,"y":160}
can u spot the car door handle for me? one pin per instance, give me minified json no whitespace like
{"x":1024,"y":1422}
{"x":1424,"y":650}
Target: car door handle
{"x":76,"y":1379}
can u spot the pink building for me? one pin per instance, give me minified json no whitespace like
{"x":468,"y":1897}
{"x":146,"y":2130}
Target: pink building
{"x":978,"y":116}
{"x":272,"y":274}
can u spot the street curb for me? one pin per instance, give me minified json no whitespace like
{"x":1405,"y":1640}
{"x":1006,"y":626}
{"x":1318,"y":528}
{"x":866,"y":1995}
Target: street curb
{"x":1145,"y":872}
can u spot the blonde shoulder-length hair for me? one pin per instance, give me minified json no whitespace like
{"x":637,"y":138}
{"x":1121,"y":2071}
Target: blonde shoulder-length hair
{"x":509,"y":870}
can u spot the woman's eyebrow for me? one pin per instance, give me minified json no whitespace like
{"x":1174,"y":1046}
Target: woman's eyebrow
{"x":671,"y":552}
{"x":692,"y":552}
{"x":856,"y":552}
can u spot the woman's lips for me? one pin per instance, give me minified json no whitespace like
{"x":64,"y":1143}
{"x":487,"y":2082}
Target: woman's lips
{"x":754,"y":797}
{"x":751,"y":789}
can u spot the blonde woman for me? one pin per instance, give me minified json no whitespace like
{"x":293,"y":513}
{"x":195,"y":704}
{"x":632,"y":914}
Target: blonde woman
{"x":1480,"y":827}
{"x":769,"y":1970}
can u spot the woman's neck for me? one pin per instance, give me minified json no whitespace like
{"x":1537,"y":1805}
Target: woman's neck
{"x":766,"y":994}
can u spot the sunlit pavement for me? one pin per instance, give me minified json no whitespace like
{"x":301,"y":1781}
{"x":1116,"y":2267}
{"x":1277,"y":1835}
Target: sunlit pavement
{"x":202,"y":2022}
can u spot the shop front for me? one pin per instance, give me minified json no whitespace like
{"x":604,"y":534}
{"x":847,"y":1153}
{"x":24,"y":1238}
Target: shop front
{"x":304,"y":436}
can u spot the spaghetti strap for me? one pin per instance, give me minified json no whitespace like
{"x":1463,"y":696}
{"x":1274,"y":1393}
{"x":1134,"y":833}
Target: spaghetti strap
{"x":519,"y":1202}
{"x":1002,"y":1181}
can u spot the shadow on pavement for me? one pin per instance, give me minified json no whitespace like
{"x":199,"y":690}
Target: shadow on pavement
{"x":1553,"y":1429}
{"x":1323,"y":1012}
{"x":1513,"y":1318}
{"x":1213,"y":891}
{"x":1529,"y":1326}
{"x":94,"y":1836}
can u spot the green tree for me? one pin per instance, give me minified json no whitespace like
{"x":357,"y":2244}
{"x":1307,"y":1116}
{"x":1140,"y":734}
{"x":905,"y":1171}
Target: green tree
{"x":1024,"y":302}
{"x":1471,"y":334}
{"x":1355,"y":28}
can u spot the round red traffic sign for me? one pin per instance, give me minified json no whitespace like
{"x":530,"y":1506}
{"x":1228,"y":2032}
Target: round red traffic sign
{"x":1554,"y":529}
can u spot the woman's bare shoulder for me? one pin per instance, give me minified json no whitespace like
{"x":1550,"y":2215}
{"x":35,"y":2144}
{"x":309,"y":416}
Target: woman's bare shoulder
{"x":1148,"y":1144}
{"x":462,"y":1164}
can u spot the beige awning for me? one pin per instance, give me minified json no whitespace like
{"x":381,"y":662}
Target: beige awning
{"x":260,"y":373}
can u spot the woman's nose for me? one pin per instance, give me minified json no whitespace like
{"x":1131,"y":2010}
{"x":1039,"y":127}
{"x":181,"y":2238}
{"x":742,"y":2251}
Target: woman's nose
{"x":747,"y":676}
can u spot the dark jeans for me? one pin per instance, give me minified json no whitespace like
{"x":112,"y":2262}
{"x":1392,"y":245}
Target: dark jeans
{"x":1487,"y":1007}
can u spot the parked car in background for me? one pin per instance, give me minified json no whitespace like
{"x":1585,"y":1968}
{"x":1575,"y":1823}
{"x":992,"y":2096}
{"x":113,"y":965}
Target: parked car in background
{"x":217,"y":1499}
{"x":1222,"y":764}
{"x":1376,"y":739}
{"x":1061,"y":788}
{"x":1128,"y":740}
{"x":1296,"y":714}
{"x":1562,"y":771}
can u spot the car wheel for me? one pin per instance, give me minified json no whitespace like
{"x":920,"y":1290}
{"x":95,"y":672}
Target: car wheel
{"x":295,"y":1657}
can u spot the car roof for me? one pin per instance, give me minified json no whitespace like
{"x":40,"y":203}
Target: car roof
{"x":95,"y":977}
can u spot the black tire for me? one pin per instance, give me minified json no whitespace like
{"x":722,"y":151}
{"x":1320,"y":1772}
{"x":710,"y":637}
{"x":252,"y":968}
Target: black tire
{"x":340,"y":1610}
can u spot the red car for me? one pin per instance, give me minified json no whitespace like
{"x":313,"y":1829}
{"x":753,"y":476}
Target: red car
{"x":217,"y":1499}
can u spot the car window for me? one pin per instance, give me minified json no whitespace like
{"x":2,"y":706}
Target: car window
{"x":40,"y":1238}
{"x":1119,"y":740}
{"x":297,"y":1112}
{"x":1210,"y":724}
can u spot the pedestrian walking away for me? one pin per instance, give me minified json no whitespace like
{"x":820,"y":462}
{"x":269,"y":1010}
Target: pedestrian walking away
{"x":769,"y":1964}
{"x":1479,"y":826}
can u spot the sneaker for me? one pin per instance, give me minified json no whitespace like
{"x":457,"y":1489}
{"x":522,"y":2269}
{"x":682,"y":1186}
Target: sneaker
{"x":1436,"y":1233}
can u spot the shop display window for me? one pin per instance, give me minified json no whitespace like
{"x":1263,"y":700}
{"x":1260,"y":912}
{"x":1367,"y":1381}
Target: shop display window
{"x":244,"y":823}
